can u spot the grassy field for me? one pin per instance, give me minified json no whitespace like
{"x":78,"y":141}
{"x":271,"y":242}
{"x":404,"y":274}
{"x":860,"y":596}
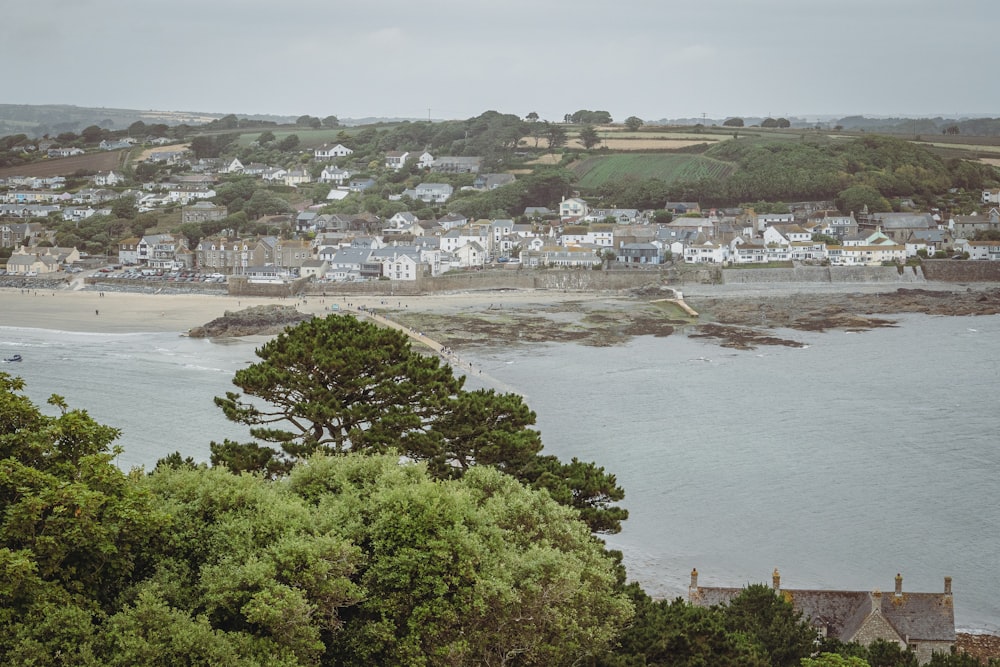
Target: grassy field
{"x":595,"y":171}
{"x":67,"y":166}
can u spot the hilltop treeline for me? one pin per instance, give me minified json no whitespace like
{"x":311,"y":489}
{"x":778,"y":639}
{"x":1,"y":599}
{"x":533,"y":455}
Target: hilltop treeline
{"x":870,"y":171}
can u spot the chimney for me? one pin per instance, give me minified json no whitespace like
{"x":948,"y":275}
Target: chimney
{"x":947,"y":585}
{"x":694,"y":579}
{"x":776,"y":580}
{"x":899,"y":584}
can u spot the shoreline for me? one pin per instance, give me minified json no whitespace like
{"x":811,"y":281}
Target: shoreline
{"x":95,"y":311}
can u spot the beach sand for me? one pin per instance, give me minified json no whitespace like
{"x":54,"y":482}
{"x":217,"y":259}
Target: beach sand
{"x":127,"y":312}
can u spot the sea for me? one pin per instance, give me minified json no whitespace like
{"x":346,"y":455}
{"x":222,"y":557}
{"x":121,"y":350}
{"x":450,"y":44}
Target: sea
{"x":840,"y":463}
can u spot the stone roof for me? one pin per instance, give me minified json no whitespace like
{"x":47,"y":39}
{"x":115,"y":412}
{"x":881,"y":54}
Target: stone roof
{"x":841,"y":614}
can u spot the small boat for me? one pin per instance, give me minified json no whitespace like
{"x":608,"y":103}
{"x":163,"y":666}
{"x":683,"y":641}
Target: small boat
{"x":13,"y":357}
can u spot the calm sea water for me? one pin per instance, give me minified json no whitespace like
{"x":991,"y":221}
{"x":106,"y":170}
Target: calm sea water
{"x":841,"y":464}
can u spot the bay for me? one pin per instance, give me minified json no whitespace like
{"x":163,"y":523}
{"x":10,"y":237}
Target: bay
{"x":841,"y":463}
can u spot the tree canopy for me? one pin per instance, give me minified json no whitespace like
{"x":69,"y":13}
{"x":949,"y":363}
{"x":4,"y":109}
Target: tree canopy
{"x":337,"y":385}
{"x":350,"y":560}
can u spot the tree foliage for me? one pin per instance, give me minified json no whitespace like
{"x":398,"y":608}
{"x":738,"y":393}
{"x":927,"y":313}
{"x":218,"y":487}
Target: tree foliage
{"x":633,"y":123}
{"x":589,"y":137}
{"x":772,"y":623}
{"x":351,"y":560}
{"x":339,"y":385}
{"x":587,"y":117}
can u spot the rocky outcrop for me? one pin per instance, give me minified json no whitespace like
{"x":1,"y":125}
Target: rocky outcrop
{"x":255,"y":321}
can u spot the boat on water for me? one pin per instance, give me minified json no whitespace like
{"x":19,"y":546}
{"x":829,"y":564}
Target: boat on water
{"x":13,"y":357}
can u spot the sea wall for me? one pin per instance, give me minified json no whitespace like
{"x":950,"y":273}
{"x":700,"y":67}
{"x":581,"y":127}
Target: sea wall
{"x":962,"y":271}
{"x":824,"y":274}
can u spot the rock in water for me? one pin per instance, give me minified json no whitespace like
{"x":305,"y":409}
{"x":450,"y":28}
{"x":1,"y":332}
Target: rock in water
{"x":253,"y":321}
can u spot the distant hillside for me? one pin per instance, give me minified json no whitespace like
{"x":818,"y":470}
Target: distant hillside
{"x":36,"y":120}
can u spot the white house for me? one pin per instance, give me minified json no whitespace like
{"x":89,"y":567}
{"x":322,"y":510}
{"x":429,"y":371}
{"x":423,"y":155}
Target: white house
{"x":274,"y":174}
{"x":425,"y":160}
{"x":471,"y":255}
{"x":573,"y":208}
{"x":454,"y":239}
{"x":785,"y":234}
{"x":577,"y":235}
{"x":747,"y":251}
{"x":396,"y":159}
{"x":334,"y":174}
{"x":988,"y":250}
{"x":106,"y":179}
{"x":297,"y":177}
{"x":400,"y":266}
{"x":327,"y":151}
{"x":765,"y":219}
{"x":707,"y":252}
{"x":234,"y":167}
{"x":402,"y":220}
{"x":434,"y":193}
{"x":314,"y":268}
{"x":865,"y":255}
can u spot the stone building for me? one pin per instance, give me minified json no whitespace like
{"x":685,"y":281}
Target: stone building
{"x":203,"y":211}
{"x":923,"y":622}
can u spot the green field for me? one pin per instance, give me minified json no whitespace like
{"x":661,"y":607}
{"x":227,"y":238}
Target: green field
{"x":595,"y":171}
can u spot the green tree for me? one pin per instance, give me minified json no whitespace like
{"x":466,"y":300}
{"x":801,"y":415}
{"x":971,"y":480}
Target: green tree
{"x":771,"y":623}
{"x":633,"y":123}
{"x":555,"y":134}
{"x":124,"y":207}
{"x":336,"y":384}
{"x":331,"y":121}
{"x":92,"y":134}
{"x":265,"y":138}
{"x":587,"y":117}
{"x":956,"y":659}
{"x":472,"y":571}
{"x":289,"y":143}
{"x":589,"y":137}
{"x":784,"y":123}
{"x":340,"y":384}
{"x":662,"y":217}
{"x":733,"y":122}
{"x":677,"y":634}
{"x":73,"y":529}
{"x":532,"y":117}
{"x":857,"y":197}
{"x":263,"y":202}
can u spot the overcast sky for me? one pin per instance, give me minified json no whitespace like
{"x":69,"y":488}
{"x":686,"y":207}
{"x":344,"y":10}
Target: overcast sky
{"x":457,"y":58}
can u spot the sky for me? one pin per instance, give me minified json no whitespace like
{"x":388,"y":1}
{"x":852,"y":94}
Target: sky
{"x":454,"y":59}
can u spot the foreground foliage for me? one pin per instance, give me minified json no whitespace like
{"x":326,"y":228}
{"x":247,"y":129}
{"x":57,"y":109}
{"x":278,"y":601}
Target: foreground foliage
{"x":337,"y":385}
{"x":350,"y":560}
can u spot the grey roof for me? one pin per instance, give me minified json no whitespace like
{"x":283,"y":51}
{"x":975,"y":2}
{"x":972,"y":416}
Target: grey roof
{"x":905,"y":220}
{"x":913,"y":616}
{"x":351,"y":256}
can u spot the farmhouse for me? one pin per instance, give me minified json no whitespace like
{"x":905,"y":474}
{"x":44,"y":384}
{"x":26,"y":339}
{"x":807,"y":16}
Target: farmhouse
{"x":922,"y":622}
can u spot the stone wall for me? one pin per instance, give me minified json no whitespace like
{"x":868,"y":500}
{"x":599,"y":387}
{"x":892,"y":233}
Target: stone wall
{"x":675,"y":276}
{"x":825,"y":274}
{"x":962,"y":271}
{"x":241,"y":286}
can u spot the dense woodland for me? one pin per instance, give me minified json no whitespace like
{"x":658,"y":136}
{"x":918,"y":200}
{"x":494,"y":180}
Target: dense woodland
{"x":383,"y":516}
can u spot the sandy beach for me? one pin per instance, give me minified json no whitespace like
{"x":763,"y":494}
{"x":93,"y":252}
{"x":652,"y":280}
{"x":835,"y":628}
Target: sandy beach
{"x":485,"y":317}
{"x":127,"y":312}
